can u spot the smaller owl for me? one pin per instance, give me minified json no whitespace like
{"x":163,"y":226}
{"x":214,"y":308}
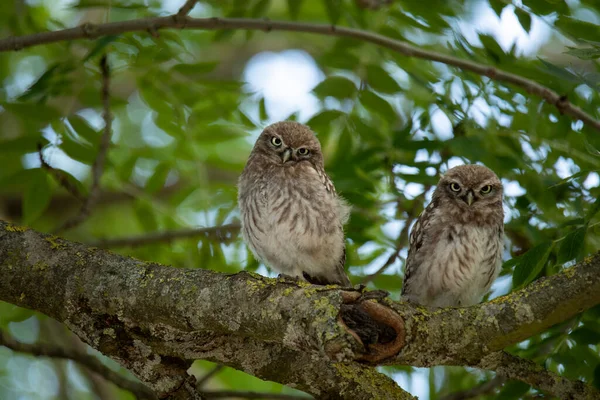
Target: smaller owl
{"x":456,"y":244}
{"x":292,"y":217}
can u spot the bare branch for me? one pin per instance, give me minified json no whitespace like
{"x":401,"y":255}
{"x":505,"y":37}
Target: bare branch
{"x":98,"y":166}
{"x":91,"y":31}
{"x":222,"y":233}
{"x":252,"y":395}
{"x":186,"y":8}
{"x":90,"y":362}
{"x":59,"y":176}
{"x":514,"y":367}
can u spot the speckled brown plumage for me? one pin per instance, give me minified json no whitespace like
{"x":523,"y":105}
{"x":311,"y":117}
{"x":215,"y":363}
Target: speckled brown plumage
{"x":456,"y":243}
{"x":292,"y":217}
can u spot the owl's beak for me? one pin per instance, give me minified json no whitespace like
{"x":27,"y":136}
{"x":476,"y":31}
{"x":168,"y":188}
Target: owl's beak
{"x":470,"y":197}
{"x":287,"y":153}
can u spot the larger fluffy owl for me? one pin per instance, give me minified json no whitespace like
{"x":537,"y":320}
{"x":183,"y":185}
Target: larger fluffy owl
{"x":456,"y":244}
{"x":292,"y":218}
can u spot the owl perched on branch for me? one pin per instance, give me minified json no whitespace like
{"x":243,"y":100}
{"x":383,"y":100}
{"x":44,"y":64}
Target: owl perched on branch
{"x":456,"y":244}
{"x":292,"y":218}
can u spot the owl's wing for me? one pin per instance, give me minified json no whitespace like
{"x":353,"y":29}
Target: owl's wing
{"x":417,"y":236}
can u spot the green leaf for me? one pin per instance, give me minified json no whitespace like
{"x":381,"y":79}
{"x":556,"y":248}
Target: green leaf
{"x":146,"y":216}
{"x":531,"y":263}
{"x":195,"y":70}
{"x":11,"y":313}
{"x":590,"y":53}
{"x":36,"y":198}
{"x":560,"y":72}
{"x":78,"y":151}
{"x":294,"y":8}
{"x":260,"y":8}
{"x":25,"y":144}
{"x":380,"y":80}
{"x":262,"y":109}
{"x":158,"y":178}
{"x":83,"y":129}
{"x":524,"y":19}
{"x":123,"y":4}
{"x":377,"y":105}
{"x":578,"y":28}
{"x":572,"y":245}
{"x":323,"y":119}
{"x":335,"y":86}
{"x":99,"y":45}
{"x":334,"y":10}
{"x":585,"y":336}
{"x":512,"y":390}
{"x":593,"y":210}
{"x":596,"y":381}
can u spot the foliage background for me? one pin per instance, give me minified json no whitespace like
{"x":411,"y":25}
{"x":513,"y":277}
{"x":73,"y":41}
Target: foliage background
{"x":187,"y":106}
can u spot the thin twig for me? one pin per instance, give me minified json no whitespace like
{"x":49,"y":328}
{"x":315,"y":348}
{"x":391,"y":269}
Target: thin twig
{"x":98,"y":166}
{"x":223,"y":394}
{"x":92,"y":363}
{"x":480,"y":390}
{"x":186,"y":8}
{"x":59,"y":176}
{"x":91,"y":31}
{"x":209,"y":375}
{"x":222,"y":233}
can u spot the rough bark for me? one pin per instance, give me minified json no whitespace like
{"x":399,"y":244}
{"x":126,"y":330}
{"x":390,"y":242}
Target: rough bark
{"x":156,"y":319}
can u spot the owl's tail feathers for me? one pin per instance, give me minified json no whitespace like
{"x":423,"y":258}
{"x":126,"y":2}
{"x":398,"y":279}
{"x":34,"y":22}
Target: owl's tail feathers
{"x":376,"y":326}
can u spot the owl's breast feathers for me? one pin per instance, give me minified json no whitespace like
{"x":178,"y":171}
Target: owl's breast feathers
{"x":450,"y":262}
{"x":299,"y":223}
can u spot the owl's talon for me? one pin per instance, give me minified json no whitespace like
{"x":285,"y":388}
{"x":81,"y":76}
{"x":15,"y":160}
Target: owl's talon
{"x":288,"y":278}
{"x":377,"y":295}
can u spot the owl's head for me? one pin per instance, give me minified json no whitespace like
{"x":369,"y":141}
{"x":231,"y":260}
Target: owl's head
{"x":288,"y":143}
{"x":471,"y":187}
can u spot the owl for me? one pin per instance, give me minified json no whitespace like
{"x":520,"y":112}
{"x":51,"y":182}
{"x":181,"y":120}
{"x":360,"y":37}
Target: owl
{"x":292,"y":217}
{"x":456,"y":244}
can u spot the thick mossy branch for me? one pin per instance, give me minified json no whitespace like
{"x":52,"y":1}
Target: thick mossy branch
{"x":156,"y":319}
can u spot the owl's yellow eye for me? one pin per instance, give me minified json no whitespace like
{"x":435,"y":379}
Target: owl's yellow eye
{"x":303,"y":151}
{"x":455,"y":187}
{"x":486,"y":189}
{"x":276,"y":141}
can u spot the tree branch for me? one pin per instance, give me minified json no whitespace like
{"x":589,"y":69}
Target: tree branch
{"x":186,"y":8}
{"x":153,"y":318}
{"x":223,"y":233}
{"x":513,"y":367}
{"x":87,"y":360}
{"x":98,"y":166}
{"x":232,"y":394}
{"x":91,"y":31}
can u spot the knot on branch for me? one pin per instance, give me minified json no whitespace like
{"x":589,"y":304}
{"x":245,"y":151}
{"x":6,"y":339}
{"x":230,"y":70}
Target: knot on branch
{"x":377,"y":327}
